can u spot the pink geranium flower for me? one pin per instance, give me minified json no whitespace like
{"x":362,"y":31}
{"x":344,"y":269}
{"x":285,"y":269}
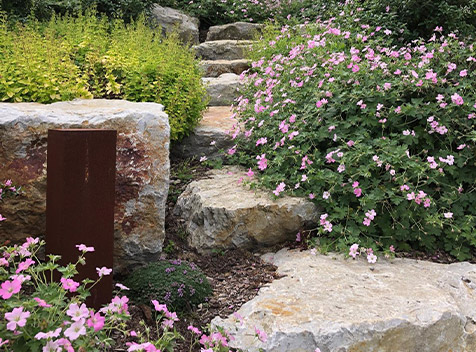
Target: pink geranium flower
{"x":75,"y":330}
{"x":16,"y":318}
{"x":9,"y":288}
{"x":69,"y":284}
{"x":96,"y":321}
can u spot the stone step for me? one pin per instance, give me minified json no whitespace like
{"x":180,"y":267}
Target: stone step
{"x":234,"y":31}
{"x":210,"y":136}
{"x":219,"y":213}
{"x":223,"y":89}
{"x":215,"y":68}
{"x":338,"y":304}
{"x":223,"y":49}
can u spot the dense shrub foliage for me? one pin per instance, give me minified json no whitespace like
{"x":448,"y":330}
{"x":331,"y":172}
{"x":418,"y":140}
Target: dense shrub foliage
{"x":417,"y":17}
{"x":179,"y":284}
{"x":381,"y":137}
{"x":44,"y":9}
{"x":87,"y":57}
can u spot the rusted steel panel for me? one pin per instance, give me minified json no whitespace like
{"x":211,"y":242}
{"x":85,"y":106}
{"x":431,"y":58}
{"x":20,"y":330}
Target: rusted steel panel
{"x":81,"y":169}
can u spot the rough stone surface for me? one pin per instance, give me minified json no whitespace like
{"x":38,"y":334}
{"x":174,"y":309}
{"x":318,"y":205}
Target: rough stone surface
{"x":223,"y":49}
{"x":222,"y":90}
{"x":220,"y":213}
{"x":215,"y":68}
{"x":170,"y":19}
{"x":234,"y":31}
{"x":142,"y":169}
{"x":341,"y":305}
{"x":214,"y":127}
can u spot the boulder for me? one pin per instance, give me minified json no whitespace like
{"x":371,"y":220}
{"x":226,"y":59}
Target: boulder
{"x":234,"y":31}
{"x":169,"y":20}
{"x":223,"y":49}
{"x":215,"y":68}
{"x":209,"y":137}
{"x":222,"y":90}
{"x":220,"y":213}
{"x":142,"y":169}
{"x":345,"y":305}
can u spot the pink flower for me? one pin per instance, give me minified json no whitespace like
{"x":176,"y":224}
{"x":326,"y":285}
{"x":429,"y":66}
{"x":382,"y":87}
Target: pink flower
{"x":366,"y":222}
{"x":426,"y":203}
{"x":122,"y":287}
{"x":350,"y":143}
{"x":75,"y":330}
{"x":203,"y":158}
{"x":84,"y":249}
{"x":262,"y":162}
{"x":159,"y":307}
{"x":463,"y":73}
{"x":48,"y":335}
{"x":358,"y":192}
{"x":76,"y":312}
{"x":24,"y":265}
{"x":371,"y":258}
{"x":69,"y":284}
{"x":250,"y":173}
{"x":96,"y":321}
{"x":52,"y":346}
{"x":353,"y":251}
{"x":326,"y":195}
{"x":311,"y":196}
{"x":371,"y":214}
{"x":355,"y":184}
{"x":103,"y":271}
{"x":2,"y":218}
{"x":279,"y":188}
{"x":9,"y":288}
{"x":3,"y":342}
{"x":193,"y":329}
{"x":41,"y":302}
{"x":261,"y":335}
{"x":232,"y":150}
{"x":457,"y":99}
{"x":448,"y":215}
{"x":341,"y":168}
{"x":16,"y":318}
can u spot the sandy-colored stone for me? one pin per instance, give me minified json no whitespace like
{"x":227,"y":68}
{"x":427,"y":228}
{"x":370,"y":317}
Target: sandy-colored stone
{"x":221,"y":213}
{"x":173,"y":20}
{"x":215,"y":68}
{"x":223,"y":49}
{"x":344,"y":305}
{"x":222,"y":90}
{"x":234,"y":31}
{"x":209,"y":137}
{"x":142,"y":169}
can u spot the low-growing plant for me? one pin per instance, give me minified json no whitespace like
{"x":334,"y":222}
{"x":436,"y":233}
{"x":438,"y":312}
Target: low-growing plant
{"x":180,"y":284}
{"x":39,"y":314}
{"x":8,"y":190}
{"x":89,"y":57}
{"x":380,"y":136}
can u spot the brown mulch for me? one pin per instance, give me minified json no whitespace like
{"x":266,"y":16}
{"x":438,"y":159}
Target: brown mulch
{"x":235,"y":275}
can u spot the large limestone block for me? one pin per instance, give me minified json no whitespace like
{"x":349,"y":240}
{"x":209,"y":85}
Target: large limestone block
{"x":142,"y":169}
{"x":222,"y":90}
{"x":215,"y":68}
{"x":170,"y":19}
{"x":209,"y":137}
{"x":342,"y":305}
{"x":236,"y":31}
{"x":221,"y":213}
{"x":223,"y":49}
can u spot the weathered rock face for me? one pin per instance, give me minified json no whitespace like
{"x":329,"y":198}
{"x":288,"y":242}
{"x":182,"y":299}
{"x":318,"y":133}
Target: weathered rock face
{"x":341,"y":305}
{"x":222,"y":90}
{"x":209,"y":137}
{"x":169,"y":20}
{"x":223,"y":49}
{"x":221,"y":213}
{"x":142,"y":168}
{"x":215,"y":68}
{"x":234,"y":31}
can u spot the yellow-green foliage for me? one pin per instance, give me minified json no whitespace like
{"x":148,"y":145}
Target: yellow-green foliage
{"x":90,"y":57}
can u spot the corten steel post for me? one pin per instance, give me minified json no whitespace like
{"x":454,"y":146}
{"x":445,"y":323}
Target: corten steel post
{"x":81,"y":170}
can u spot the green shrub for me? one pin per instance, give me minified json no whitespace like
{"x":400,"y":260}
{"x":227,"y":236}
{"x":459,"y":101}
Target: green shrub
{"x":178,"y":284}
{"x":44,"y":9}
{"x":90,"y":57}
{"x":381,"y":137}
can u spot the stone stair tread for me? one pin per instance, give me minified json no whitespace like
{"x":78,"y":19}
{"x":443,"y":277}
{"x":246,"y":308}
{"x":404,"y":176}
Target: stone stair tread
{"x":217,"y":118}
{"x":237,"y":30}
{"x":223,"y":49}
{"x":337,"y":304}
{"x":215,"y":68}
{"x":223,"y":89}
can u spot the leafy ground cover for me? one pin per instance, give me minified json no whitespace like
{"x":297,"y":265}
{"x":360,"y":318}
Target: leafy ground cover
{"x":90,"y":57}
{"x":380,"y":136}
